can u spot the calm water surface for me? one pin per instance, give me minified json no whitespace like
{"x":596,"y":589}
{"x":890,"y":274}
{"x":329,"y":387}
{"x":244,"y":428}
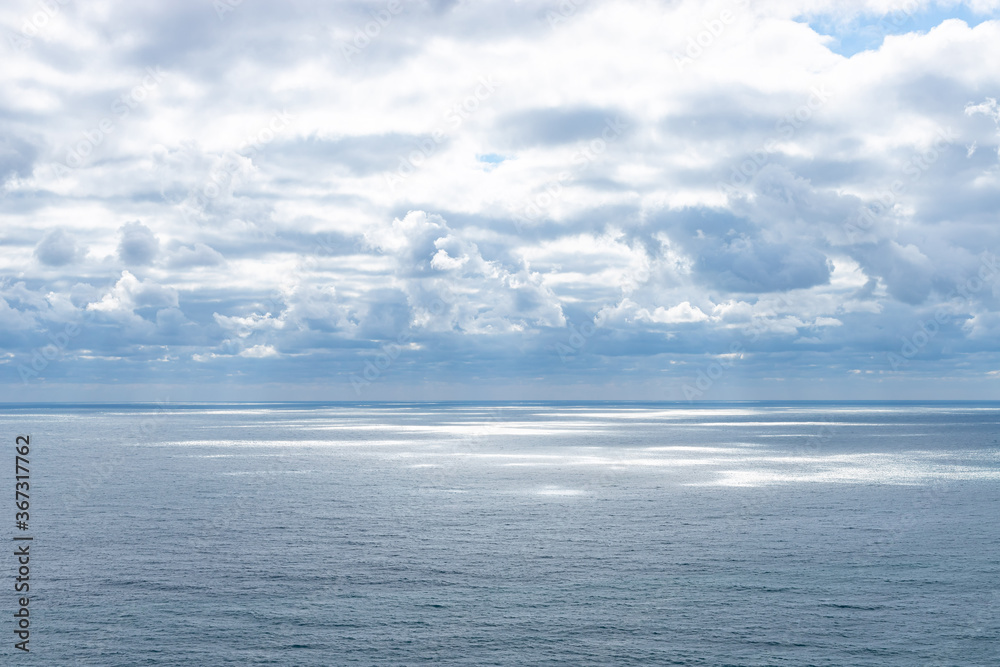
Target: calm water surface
{"x":516,"y":534}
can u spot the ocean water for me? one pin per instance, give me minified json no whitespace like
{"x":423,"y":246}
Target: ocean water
{"x":511,"y":534}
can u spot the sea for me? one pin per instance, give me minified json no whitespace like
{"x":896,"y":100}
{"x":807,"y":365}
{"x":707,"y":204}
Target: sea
{"x":530,"y":533}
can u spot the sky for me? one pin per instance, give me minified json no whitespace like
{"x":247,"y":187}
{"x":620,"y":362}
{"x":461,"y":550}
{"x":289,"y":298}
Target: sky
{"x":499,"y":199}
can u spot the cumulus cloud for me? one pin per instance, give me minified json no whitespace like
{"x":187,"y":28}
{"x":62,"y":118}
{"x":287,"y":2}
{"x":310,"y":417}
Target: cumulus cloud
{"x":138,"y":245}
{"x":12,"y":319}
{"x":906,"y":271}
{"x":57,"y":248}
{"x":682,"y":312}
{"x":259,"y":352}
{"x":988,"y":108}
{"x":449,"y":285}
{"x":628,"y":312}
{"x":130,"y":293}
{"x":198,"y":254}
{"x":244,"y":326}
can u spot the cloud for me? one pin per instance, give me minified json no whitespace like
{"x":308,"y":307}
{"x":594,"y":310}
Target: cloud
{"x":17,"y":156}
{"x":12,"y":319}
{"x":628,"y":313}
{"x":358,"y":155}
{"x":988,"y":108}
{"x":735,"y":253}
{"x":259,"y":352}
{"x":746,"y":265}
{"x":130,"y":293}
{"x":244,"y":326}
{"x":449,"y":285}
{"x":551,"y":127}
{"x":907,"y":273}
{"x":815,"y":182}
{"x":57,"y":248}
{"x":138,"y":245}
{"x":682,"y":312}
{"x":198,"y":254}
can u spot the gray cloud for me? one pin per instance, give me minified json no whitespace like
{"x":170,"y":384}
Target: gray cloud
{"x":57,"y":248}
{"x":732,"y":253}
{"x":746,"y":265}
{"x":198,"y":254}
{"x":551,"y":127}
{"x":138,"y":245}
{"x":17,"y":156}
{"x":362,"y":155}
{"x":906,"y":271}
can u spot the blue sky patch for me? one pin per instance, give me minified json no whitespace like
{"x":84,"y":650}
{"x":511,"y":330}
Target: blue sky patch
{"x":866,"y":32}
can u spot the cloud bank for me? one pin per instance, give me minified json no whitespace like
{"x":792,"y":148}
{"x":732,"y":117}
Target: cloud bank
{"x":494,"y":199}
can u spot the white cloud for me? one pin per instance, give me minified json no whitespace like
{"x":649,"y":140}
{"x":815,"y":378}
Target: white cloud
{"x":195,"y":255}
{"x":12,"y":319}
{"x":244,"y":326}
{"x":682,"y":312}
{"x":259,"y":352}
{"x":130,"y":293}
{"x":449,"y":285}
{"x":628,"y":312}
